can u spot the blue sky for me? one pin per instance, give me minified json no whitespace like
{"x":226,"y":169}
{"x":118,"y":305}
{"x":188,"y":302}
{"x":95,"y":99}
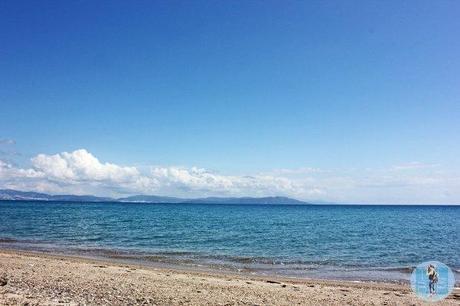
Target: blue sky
{"x":241,"y":88}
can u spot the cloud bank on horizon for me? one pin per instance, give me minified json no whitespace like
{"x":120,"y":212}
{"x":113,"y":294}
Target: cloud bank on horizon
{"x":80,"y":172}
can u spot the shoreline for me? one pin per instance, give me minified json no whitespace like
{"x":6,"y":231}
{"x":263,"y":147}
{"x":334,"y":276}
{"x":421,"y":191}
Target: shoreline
{"x":396,"y":275}
{"x":52,"y":279}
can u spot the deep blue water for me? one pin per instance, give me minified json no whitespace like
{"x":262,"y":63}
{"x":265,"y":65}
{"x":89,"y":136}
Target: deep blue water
{"x":356,"y":242}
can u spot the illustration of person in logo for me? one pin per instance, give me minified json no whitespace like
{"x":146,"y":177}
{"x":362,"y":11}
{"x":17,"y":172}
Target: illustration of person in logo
{"x":433,"y":278}
{"x":432,"y":281}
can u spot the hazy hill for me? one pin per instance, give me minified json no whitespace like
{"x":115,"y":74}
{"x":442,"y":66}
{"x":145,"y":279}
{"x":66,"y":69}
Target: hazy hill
{"x":8,"y":194}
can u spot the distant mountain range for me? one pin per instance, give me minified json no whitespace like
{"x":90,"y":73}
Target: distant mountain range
{"x":8,"y":194}
{"x":14,"y":195}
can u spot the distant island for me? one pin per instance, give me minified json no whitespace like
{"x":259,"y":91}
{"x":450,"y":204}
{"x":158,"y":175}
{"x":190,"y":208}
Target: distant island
{"x":15,"y":195}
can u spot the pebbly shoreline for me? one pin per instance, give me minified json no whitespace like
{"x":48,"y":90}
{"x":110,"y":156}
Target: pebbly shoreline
{"x":43,"y":279}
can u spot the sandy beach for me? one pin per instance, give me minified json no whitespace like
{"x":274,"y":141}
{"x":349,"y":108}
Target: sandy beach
{"x":43,"y":279}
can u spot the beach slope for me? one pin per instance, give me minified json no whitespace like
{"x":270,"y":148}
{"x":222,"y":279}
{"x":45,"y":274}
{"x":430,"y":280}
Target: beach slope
{"x":41,"y":279}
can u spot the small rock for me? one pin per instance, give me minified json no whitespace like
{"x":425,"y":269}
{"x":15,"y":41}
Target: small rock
{"x":3,"y":281}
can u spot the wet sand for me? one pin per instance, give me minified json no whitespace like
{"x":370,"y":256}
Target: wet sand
{"x":42,"y":279}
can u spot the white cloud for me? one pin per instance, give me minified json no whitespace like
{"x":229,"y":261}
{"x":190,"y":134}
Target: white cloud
{"x":80,"y":165}
{"x":10,"y":172}
{"x":413,"y":166}
{"x":198,"y":179}
{"x":80,"y":172}
{"x":6,"y":141}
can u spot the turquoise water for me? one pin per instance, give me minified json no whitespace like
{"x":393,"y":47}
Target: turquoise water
{"x":342,"y":242}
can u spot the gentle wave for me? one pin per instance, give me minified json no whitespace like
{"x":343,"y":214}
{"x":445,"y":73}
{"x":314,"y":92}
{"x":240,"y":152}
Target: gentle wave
{"x":8,"y":240}
{"x":192,"y":257}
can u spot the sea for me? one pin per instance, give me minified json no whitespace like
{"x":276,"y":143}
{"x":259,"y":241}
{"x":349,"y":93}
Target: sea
{"x":343,"y":242}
